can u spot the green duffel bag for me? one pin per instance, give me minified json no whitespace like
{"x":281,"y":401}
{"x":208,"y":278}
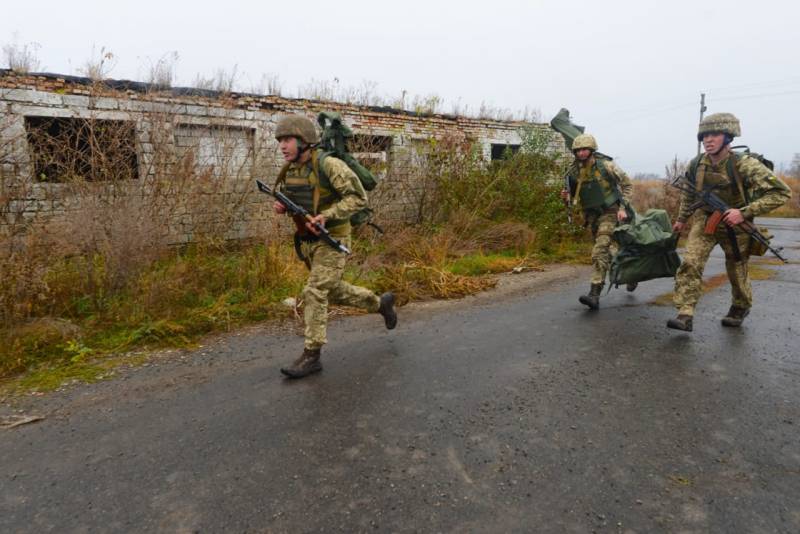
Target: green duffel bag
{"x":647,"y":249}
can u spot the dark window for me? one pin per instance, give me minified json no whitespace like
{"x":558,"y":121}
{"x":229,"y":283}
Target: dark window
{"x":501,"y":151}
{"x":372,"y":151}
{"x":369,"y":143}
{"x":65,"y":149}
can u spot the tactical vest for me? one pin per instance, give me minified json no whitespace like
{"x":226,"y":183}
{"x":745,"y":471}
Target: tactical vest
{"x":726,"y":181}
{"x":307,"y":186}
{"x":596,"y":189}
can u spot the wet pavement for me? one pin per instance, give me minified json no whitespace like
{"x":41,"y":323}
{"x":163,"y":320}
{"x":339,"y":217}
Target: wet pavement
{"x":519,"y":412}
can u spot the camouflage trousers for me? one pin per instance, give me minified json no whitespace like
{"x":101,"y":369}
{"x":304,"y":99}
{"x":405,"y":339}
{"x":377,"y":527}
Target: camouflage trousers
{"x":604,"y":247}
{"x":325,"y":285}
{"x":689,"y":278}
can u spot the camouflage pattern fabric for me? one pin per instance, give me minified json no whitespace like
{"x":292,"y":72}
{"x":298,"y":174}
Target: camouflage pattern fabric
{"x":766,"y":190}
{"x":349,"y":197}
{"x":689,"y":278}
{"x":719,"y":123}
{"x":584,"y":171}
{"x":325,"y":285}
{"x":352,"y":196}
{"x":604,"y":247}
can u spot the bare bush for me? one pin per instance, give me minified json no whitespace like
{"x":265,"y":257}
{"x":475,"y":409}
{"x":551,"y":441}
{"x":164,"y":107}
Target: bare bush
{"x":269,"y":84}
{"x":428,"y":104}
{"x":21,"y":58}
{"x":99,"y":65}
{"x":163,"y":72}
{"x":658,"y":193}
{"x":333,"y":91}
{"x":92,"y":215}
{"x":223,"y":80}
{"x":794,"y":167}
{"x":791,"y":208}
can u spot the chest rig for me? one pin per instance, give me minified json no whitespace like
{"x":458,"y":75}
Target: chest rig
{"x":596,"y":188}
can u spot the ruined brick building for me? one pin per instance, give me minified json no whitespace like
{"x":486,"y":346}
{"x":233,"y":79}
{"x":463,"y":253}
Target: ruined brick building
{"x":54,"y":129}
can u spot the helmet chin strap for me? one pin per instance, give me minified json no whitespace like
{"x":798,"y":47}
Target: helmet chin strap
{"x":725,"y":142}
{"x":301,"y":147}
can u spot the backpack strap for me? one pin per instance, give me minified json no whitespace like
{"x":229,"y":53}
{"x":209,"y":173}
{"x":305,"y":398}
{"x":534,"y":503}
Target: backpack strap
{"x":314,"y":179}
{"x":281,"y":175}
{"x":317,"y":158}
{"x":600,"y":163}
{"x":736,"y":176}
{"x":691,"y":172}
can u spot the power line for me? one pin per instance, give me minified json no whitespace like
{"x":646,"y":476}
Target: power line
{"x":762,"y":95}
{"x":771,"y":83}
{"x":653,"y":112}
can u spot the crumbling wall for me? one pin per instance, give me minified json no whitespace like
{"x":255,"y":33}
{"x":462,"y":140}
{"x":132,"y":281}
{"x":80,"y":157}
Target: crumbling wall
{"x":225,"y":139}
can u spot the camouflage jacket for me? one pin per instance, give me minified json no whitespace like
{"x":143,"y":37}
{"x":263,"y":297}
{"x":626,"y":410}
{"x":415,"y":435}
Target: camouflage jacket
{"x":764,"y":190}
{"x":350,"y":196}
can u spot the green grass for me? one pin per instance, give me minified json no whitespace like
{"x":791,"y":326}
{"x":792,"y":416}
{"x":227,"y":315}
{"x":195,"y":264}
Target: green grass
{"x":480,"y":264}
{"x":87,"y":310}
{"x":170,"y":304}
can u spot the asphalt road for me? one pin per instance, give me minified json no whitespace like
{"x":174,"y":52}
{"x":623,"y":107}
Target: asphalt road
{"x":516,"y":411}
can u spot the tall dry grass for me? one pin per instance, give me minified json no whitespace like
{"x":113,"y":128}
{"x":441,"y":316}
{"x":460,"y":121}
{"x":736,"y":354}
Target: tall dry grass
{"x":659,"y":194}
{"x":791,"y":208}
{"x":91,"y":209}
{"x":152,"y":257}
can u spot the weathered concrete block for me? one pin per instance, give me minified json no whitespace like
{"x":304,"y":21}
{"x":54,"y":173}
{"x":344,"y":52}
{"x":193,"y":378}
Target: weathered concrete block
{"x":38,"y":111}
{"x":33,"y":97}
{"x":106,"y":103}
{"x":76,"y":101}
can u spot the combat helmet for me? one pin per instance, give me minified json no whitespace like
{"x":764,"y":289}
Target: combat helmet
{"x":296,"y":126}
{"x":584,"y":141}
{"x":725,"y":123}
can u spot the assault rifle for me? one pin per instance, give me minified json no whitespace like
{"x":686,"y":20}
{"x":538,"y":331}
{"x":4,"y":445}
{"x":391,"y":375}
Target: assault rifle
{"x":708,"y":198}
{"x":302,"y":215}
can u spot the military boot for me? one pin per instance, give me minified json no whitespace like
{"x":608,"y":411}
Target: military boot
{"x":735,"y":316}
{"x":306,"y":364}
{"x":387,"y":310}
{"x":632,"y":287}
{"x":593,"y":298}
{"x":681,"y":322}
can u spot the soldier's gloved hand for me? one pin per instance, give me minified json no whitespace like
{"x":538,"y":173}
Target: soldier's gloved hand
{"x":732,"y":217}
{"x":678,"y":227}
{"x":279,"y":208}
{"x":316,"y":219}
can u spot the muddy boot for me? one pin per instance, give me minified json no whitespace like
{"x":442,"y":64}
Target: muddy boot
{"x":631,"y":287}
{"x":593,"y":298}
{"x":735,"y":316}
{"x":306,"y":364}
{"x":681,"y":322}
{"x":387,"y":310}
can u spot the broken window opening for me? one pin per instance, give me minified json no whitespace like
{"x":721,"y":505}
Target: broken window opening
{"x":503,"y":150}
{"x":372,"y":151}
{"x":92,"y":150}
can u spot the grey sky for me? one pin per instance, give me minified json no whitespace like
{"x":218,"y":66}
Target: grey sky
{"x":631,"y":72}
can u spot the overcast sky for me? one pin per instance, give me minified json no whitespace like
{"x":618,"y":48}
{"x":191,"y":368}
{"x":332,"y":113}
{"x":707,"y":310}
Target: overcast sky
{"x":630,"y":71}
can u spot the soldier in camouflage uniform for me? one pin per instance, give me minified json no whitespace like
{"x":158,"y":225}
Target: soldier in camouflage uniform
{"x":742,"y":182}
{"x":329,"y":190}
{"x":602,"y":190}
